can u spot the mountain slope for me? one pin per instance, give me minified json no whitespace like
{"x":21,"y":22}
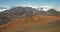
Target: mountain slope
{"x":19,"y":11}
{"x":35,"y":24}
{"x":27,"y":19}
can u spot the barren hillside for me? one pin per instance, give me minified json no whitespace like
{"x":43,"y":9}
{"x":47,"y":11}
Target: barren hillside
{"x":33,"y":24}
{"x":27,"y":19}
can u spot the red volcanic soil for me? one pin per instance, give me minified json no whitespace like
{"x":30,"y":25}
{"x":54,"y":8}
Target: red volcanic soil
{"x":25,"y":22}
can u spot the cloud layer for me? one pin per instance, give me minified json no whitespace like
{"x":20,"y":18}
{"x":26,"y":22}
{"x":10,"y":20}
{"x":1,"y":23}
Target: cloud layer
{"x":45,"y":8}
{"x":3,"y":8}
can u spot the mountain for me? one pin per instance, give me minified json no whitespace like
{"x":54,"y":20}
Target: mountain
{"x":16,"y":12}
{"x":26,"y":19}
{"x":27,"y":12}
{"x":53,"y":12}
{"x":19,"y":11}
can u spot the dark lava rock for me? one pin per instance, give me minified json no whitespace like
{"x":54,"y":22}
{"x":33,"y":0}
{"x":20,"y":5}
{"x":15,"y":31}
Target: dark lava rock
{"x":3,"y":20}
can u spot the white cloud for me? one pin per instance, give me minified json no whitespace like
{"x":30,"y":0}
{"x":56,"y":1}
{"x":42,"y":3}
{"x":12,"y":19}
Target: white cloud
{"x":1,"y":10}
{"x":7,"y":7}
{"x":58,"y":9}
{"x":4,"y":8}
{"x":45,"y":8}
{"x":33,"y":6}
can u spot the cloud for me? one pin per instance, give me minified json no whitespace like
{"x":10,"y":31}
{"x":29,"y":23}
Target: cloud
{"x":33,"y":6}
{"x":45,"y":8}
{"x":3,"y":8}
{"x":58,"y":9}
{"x":7,"y":7}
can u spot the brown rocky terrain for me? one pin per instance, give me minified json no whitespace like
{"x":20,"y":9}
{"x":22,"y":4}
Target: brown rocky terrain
{"x":39,"y":23}
{"x":27,"y":19}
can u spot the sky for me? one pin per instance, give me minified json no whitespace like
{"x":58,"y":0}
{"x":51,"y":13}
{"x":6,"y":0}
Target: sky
{"x":46,"y":4}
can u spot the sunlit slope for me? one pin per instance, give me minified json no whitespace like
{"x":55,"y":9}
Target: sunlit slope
{"x":35,"y":20}
{"x":20,"y":24}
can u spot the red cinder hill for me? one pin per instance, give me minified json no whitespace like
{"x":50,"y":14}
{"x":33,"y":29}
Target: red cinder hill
{"x":28,"y":22}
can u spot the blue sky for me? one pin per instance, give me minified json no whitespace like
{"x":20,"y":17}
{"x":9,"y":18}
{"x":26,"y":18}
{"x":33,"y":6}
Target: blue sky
{"x":55,"y":3}
{"x":30,"y":2}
